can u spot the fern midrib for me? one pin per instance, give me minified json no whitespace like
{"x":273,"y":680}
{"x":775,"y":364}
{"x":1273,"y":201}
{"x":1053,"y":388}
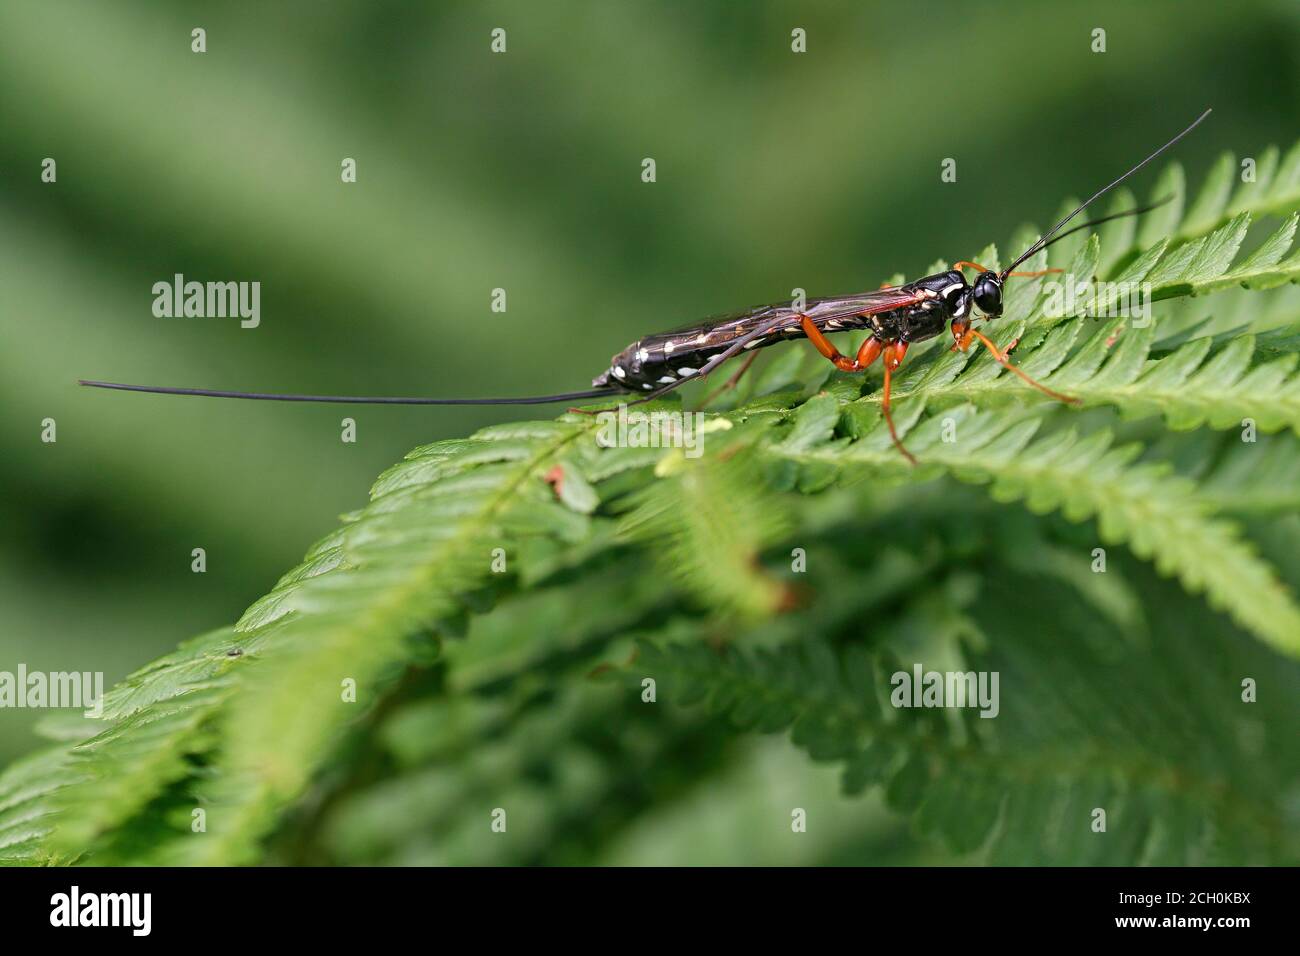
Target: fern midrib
{"x":471,"y":527}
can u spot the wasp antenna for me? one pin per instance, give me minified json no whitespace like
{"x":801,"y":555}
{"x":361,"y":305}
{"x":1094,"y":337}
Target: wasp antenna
{"x":1097,"y":222}
{"x":1043,"y":241}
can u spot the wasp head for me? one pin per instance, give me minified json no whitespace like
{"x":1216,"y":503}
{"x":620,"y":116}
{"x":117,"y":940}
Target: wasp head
{"x":988,"y":294}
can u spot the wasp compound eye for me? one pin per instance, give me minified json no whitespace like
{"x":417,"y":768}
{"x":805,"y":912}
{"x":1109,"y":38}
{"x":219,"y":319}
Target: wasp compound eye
{"x":988,"y":294}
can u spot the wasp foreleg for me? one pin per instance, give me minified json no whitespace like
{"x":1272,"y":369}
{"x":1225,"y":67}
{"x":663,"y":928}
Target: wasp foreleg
{"x":963,"y":342}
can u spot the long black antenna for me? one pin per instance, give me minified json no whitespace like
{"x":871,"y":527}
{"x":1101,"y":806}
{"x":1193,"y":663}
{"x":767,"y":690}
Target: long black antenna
{"x":1115,"y":215}
{"x":354,"y":399}
{"x":1041,"y":243}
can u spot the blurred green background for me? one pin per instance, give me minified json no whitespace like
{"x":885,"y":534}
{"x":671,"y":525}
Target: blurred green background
{"x":477,"y":171}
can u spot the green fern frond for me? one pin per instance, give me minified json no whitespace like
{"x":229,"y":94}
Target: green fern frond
{"x":136,"y":744}
{"x":411,"y":559}
{"x":1254,"y":480}
{"x":1273,"y":191}
{"x":1223,"y":393}
{"x":1159,"y":516}
{"x":27,"y":814}
{"x":710,"y":524}
{"x":1176,"y":792}
{"x":1194,"y":385}
{"x":124,"y":768}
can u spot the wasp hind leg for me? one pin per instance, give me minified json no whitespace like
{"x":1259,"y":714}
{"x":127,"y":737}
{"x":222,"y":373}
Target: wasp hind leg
{"x":869,"y":352}
{"x":730,"y":383}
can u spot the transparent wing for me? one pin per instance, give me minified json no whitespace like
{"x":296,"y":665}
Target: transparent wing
{"x":783,"y":317}
{"x":737,"y":330}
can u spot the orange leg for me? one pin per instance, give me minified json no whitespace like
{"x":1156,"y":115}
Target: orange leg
{"x":1029,"y":275}
{"x":894,"y":354}
{"x":964,"y":342}
{"x":869,"y":352}
{"x":961,"y":335}
{"x":1021,"y":275}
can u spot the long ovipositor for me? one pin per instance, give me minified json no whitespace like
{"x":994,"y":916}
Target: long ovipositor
{"x":896,"y":316}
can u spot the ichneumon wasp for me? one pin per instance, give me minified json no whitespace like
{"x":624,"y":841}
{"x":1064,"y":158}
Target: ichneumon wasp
{"x":895,"y":316}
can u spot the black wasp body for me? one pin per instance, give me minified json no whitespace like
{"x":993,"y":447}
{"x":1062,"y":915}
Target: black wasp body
{"x":908,"y":313}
